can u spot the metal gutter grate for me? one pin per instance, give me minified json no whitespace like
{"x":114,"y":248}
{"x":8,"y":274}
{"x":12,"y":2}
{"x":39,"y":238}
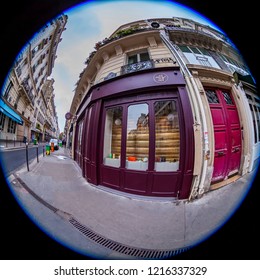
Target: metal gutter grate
{"x":124,"y":249}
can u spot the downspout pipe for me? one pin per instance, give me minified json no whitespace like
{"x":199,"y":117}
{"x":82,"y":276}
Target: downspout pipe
{"x":199,"y":113}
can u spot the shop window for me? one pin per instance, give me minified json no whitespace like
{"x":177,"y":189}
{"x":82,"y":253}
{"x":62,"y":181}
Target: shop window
{"x":2,"y":121}
{"x":137,"y":143}
{"x":80,"y":127}
{"x":112,"y":137}
{"x":167,"y":136}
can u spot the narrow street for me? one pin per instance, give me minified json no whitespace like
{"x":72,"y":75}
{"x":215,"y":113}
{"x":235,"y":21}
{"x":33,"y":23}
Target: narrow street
{"x":12,"y":159}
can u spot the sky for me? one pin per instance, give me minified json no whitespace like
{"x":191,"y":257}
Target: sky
{"x":93,"y":21}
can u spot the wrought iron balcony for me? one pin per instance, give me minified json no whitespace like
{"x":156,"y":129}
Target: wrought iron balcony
{"x":134,"y":67}
{"x":28,"y":90}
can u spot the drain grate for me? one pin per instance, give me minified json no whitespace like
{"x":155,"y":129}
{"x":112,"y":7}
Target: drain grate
{"x":124,"y":249}
{"x":103,"y":241}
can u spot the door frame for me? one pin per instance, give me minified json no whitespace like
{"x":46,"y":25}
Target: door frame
{"x":228,"y":151}
{"x":118,"y":175}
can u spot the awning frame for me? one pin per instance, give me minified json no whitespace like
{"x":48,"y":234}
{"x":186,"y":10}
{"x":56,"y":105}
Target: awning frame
{"x":10,"y":113}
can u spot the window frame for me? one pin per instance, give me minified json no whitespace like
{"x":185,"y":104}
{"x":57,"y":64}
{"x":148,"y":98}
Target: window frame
{"x":125,"y":104}
{"x":137,"y":53}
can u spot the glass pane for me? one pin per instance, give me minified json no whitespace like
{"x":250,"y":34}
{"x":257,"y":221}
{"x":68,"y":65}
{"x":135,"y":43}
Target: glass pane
{"x":144,"y":56}
{"x":137,"y":143}
{"x":195,"y":50}
{"x":167,"y":136}
{"x":227,"y":98}
{"x":212,"y":96}
{"x":87,"y":130}
{"x":80,"y":126}
{"x":185,"y":49}
{"x":132,"y":59}
{"x":204,"y":51}
{"x":112,"y":137}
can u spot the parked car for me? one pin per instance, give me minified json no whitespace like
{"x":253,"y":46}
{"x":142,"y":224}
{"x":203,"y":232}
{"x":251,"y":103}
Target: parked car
{"x":56,"y":144}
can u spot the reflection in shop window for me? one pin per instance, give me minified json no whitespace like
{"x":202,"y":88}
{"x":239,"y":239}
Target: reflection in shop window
{"x":167,"y":136}
{"x":137,"y":145}
{"x":80,"y":126}
{"x":112,"y":137}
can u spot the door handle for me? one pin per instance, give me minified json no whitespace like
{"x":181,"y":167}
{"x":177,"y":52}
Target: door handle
{"x":236,"y":150}
{"x":220,"y":153}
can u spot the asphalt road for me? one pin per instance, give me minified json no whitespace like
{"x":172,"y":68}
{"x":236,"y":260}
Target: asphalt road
{"x":11,"y":160}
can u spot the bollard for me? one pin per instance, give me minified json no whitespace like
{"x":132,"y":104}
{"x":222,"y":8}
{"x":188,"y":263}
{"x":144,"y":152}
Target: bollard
{"x":43,"y":151}
{"x":26,"y":152}
{"x":37,"y":153}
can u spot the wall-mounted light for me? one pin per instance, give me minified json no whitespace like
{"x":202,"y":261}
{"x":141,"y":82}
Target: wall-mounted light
{"x":118,"y":122}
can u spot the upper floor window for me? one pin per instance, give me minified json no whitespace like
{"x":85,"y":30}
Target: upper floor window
{"x":35,"y":50}
{"x":234,"y":65}
{"x":138,"y":57}
{"x":8,"y":89}
{"x":137,"y":61}
{"x":196,"y":55}
{"x":254,"y":104}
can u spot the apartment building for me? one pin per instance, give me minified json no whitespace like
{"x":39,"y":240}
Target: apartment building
{"x":27,"y":100}
{"x":165,"y":107}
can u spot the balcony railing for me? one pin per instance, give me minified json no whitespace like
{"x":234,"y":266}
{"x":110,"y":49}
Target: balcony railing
{"x":28,"y":90}
{"x":200,"y":32}
{"x":142,"y":65}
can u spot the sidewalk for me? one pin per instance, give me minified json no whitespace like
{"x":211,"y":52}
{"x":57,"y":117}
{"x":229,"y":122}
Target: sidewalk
{"x":106,"y":219}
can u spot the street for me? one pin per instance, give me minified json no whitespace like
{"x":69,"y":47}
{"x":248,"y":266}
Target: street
{"x":13,"y":159}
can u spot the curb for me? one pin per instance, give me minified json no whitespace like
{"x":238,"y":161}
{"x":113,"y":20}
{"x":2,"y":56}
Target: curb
{"x":23,"y":168}
{"x":3,"y":149}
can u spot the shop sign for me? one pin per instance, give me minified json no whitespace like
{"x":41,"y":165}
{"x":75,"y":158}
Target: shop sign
{"x":160,"y":78}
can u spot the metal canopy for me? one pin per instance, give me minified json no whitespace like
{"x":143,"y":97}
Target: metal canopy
{"x":9,"y":112}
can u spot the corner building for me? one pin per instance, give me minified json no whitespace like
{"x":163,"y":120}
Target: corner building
{"x":165,"y":107}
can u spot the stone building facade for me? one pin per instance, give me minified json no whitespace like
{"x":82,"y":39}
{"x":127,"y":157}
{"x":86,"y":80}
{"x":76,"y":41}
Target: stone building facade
{"x":165,"y":107}
{"x":27,"y":97}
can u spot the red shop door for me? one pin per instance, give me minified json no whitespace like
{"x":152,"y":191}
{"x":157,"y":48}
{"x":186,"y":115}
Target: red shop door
{"x":227,"y":134}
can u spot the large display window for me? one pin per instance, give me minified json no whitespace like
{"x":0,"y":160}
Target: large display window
{"x":137,"y":143}
{"x":167,"y":136}
{"x":139,"y":137}
{"x":112,"y":137}
{"x":162,"y":141}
